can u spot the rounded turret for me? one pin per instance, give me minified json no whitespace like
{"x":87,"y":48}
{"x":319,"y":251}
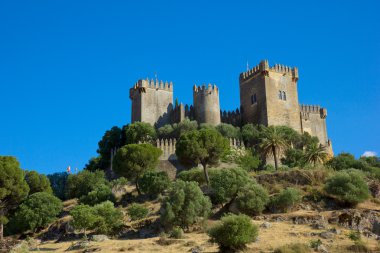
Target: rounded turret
{"x":206,"y":104}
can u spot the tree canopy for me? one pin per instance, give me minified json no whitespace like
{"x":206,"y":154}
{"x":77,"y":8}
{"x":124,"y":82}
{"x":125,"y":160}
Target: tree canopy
{"x":37,"y":182}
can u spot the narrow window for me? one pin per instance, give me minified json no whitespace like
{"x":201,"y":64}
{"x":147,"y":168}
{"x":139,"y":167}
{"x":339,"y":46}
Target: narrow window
{"x":279,"y":95}
{"x":253,"y":99}
{"x":284,"y":95}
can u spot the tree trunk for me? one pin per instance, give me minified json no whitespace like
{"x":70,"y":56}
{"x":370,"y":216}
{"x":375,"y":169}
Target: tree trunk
{"x":137,"y":187}
{"x":206,"y":174}
{"x":275,"y":157}
{"x":1,"y":231}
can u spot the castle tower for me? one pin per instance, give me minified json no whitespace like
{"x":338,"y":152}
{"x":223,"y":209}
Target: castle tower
{"x":206,"y":104}
{"x":268,"y":96}
{"x":152,"y":102}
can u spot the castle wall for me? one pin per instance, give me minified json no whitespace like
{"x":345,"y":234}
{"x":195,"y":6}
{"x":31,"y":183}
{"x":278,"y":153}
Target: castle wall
{"x":152,"y":102}
{"x":231,"y":117}
{"x":313,"y":121}
{"x":206,"y":104}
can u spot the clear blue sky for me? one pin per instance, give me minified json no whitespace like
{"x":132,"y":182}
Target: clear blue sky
{"x":66,"y":66}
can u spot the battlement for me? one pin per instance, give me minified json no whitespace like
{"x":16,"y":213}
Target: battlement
{"x":203,"y":89}
{"x":263,"y":68}
{"x":153,"y":84}
{"x":316,"y":109}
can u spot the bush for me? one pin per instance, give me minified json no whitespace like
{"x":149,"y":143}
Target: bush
{"x":100,"y":194}
{"x":82,"y":183}
{"x":104,"y":218}
{"x":137,"y":211}
{"x":176,"y":233}
{"x":226,"y":183}
{"x":348,"y":186}
{"x":185,"y":205}
{"x":38,"y":210}
{"x":195,"y":175}
{"x":285,"y":199}
{"x":37,"y":182}
{"x":109,"y":219}
{"x":252,"y":199}
{"x":234,"y":232}
{"x":248,"y":162}
{"x":228,"y":131}
{"x":154,"y":182}
{"x":293,"y":248}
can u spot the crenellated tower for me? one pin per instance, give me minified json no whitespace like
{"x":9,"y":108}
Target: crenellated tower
{"x":152,"y":102}
{"x":269,"y":96}
{"x":206,"y":104}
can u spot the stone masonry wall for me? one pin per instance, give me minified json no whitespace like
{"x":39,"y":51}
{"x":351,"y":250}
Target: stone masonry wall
{"x":206,"y":104}
{"x":313,"y":121}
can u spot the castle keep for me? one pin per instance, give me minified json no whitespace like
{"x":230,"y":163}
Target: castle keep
{"x":268,"y":96}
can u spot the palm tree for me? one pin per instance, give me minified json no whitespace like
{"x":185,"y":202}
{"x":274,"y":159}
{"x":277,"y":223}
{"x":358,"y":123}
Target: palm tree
{"x":273,"y":143}
{"x":315,"y":154}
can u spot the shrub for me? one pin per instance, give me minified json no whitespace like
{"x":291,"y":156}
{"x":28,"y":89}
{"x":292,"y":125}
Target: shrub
{"x":137,"y":211}
{"x":154,"y":182}
{"x":248,"y":162}
{"x":285,"y":199}
{"x":38,"y":210}
{"x":226,"y":183}
{"x":348,"y":186}
{"x":293,"y":248}
{"x":252,"y":199}
{"x":195,"y":174}
{"x":234,"y":232}
{"x":109,"y":219}
{"x":82,"y":183}
{"x":139,"y":132}
{"x":228,"y":131}
{"x":176,"y":233}
{"x":100,"y":194}
{"x":185,"y":205}
{"x":315,"y":243}
{"x":84,"y":217}
{"x":37,"y":182}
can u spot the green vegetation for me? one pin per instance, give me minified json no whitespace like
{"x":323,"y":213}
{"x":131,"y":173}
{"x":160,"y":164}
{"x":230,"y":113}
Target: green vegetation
{"x":205,"y":147}
{"x":195,"y":175}
{"x":315,"y":154}
{"x":154,"y":182}
{"x":133,"y":160}
{"x":293,"y":248}
{"x":228,"y":131}
{"x":84,"y":182}
{"x":273,"y":143}
{"x":185,"y":205}
{"x":58,"y":184}
{"x":84,"y":217}
{"x":139,"y":132}
{"x":285,"y":200}
{"x":37,"y":182}
{"x":37,"y":211}
{"x":137,"y":211}
{"x":234,"y":232}
{"x":98,"y":195}
{"x":176,"y":233}
{"x":13,"y":188}
{"x":226,"y":183}
{"x":252,"y":199}
{"x":348,"y":186}
{"x":248,"y":162}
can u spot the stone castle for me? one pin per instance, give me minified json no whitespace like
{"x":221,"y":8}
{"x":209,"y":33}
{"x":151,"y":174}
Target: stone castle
{"x":268,"y":96}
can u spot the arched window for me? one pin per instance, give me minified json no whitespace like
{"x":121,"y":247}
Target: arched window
{"x":253,"y":99}
{"x":280,"y":95}
{"x":284,"y":95}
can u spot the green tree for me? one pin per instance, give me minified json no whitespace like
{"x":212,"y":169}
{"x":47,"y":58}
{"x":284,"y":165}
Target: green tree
{"x":285,"y":200}
{"x":348,"y":186}
{"x":13,"y":188}
{"x":139,"y":132}
{"x":110,"y":140}
{"x":252,"y":199}
{"x":133,"y":160}
{"x":315,"y":154}
{"x":165,"y":132}
{"x":293,"y":158}
{"x":228,"y":131}
{"x":251,"y":134}
{"x":37,"y":182}
{"x":226,"y":183}
{"x":154,"y":182}
{"x":196,"y":175}
{"x":233,"y":232}
{"x":183,"y":127}
{"x":37,"y":211}
{"x":273,"y":143}
{"x":205,"y":146}
{"x":137,"y":211}
{"x":185,"y":205}
{"x":98,"y":195}
{"x":248,"y":162}
{"x":58,"y":184}
{"x":109,"y":219}
{"x":84,"y":182}
{"x":84,"y":217}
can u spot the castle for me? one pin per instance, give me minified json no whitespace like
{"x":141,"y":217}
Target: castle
{"x":268,"y":96}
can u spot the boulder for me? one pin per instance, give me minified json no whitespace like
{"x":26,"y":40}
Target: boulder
{"x":99,"y":238}
{"x":266,"y":225}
